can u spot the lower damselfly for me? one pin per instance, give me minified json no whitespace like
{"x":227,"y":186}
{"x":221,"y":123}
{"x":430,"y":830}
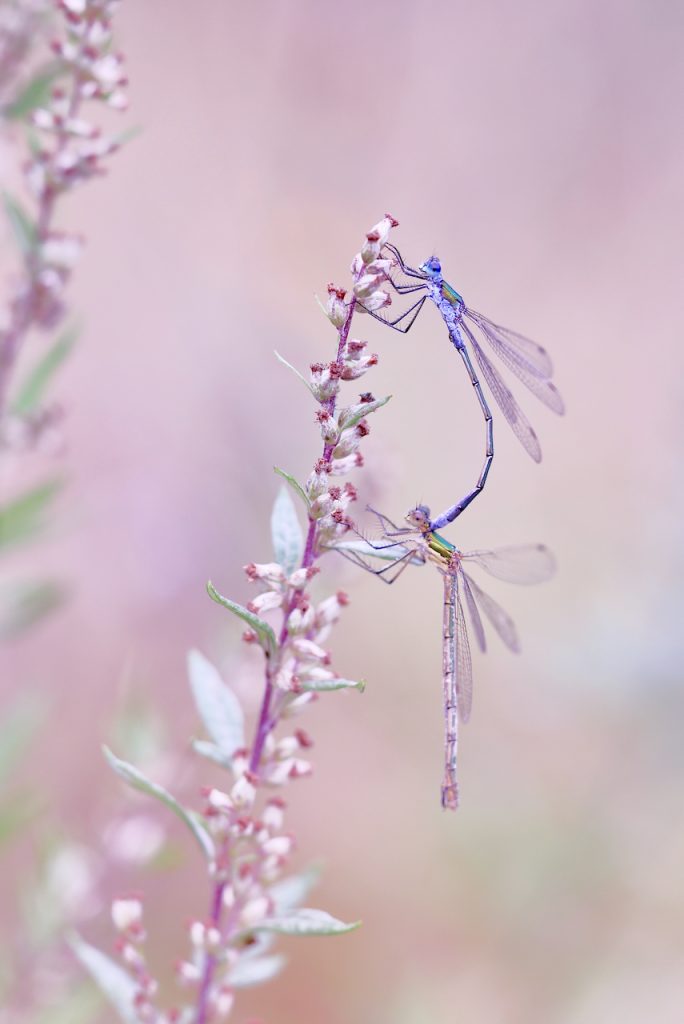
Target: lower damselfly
{"x":418,"y":543}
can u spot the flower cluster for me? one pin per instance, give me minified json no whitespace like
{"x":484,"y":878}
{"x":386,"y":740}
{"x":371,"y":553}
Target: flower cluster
{"x":19,"y":25}
{"x":241,"y":826}
{"x":127,"y":917}
{"x":71,"y":151}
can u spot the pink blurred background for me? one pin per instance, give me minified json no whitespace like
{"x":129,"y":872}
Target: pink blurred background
{"x":537,"y":147}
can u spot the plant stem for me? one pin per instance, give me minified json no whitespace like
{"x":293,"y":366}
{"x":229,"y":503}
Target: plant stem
{"x":210,"y":960}
{"x":23,"y":311}
{"x":265,"y":722}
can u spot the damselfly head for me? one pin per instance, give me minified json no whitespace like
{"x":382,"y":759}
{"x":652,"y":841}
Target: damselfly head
{"x":432,"y":267}
{"x":419,"y":517}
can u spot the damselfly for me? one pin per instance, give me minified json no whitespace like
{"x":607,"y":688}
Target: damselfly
{"x":419,"y":543}
{"x":527,"y":360}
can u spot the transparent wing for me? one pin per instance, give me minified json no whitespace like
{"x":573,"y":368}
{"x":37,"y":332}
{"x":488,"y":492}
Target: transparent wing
{"x":506,"y":402}
{"x":528,"y":563}
{"x":544,"y":389}
{"x":475,"y":619}
{"x":521,"y":349}
{"x":464,"y":665}
{"x":500,"y":620}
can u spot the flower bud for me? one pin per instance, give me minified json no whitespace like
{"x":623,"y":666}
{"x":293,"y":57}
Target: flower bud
{"x":300,"y":769}
{"x":224,"y":1001}
{"x":329,"y":429}
{"x":356,"y":368}
{"x":243,"y":792}
{"x":370,"y":250}
{"x":348,"y":443}
{"x":187,"y":972}
{"x":271,"y":572}
{"x":254,"y":911}
{"x":266,"y":602}
{"x":322,"y":506}
{"x":299,"y":704}
{"x":219,"y":801}
{"x":325,"y":382}
{"x":365,"y":287}
{"x":336,"y":309}
{"x":277,"y":846}
{"x":127,"y":914}
{"x":328,"y":611}
{"x":317,"y":483}
{"x":272,"y":816}
{"x":307,"y":650}
{"x":383,"y":228}
{"x":301,"y":620}
{"x":300,"y":577}
{"x":285,"y":679}
{"x":340,"y":467}
{"x":377,"y":300}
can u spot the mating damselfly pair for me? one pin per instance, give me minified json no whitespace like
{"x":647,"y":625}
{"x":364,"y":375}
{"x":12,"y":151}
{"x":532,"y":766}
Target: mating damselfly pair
{"x":419,"y":542}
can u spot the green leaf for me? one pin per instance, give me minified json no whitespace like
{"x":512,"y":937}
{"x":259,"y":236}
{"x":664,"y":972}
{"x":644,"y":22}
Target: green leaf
{"x":78,"y":1006}
{"x":360,"y":411}
{"x":24,"y":604}
{"x":16,"y":812}
{"x":254,"y":972}
{"x":35,"y":93}
{"x":127,"y":135}
{"x":289,"y":893}
{"x":33,"y":390}
{"x":294,"y":370}
{"x":286,"y":533}
{"x":23,"y":227}
{"x":19,"y":725}
{"x":211,"y":752}
{"x":115,"y":983}
{"x":305,"y":922}
{"x":217,"y":705}
{"x":328,"y":685}
{"x":135,"y":778}
{"x":23,"y":517}
{"x":267,"y":637}
{"x":296,"y":487}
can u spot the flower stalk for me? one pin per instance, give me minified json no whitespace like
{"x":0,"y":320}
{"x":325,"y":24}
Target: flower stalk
{"x":71,"y":151}
{"x":241,"y":828}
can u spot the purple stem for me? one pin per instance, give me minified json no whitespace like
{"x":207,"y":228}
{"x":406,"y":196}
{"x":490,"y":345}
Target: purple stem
{"x":210,"y":961}
{"x":266,"y":722}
